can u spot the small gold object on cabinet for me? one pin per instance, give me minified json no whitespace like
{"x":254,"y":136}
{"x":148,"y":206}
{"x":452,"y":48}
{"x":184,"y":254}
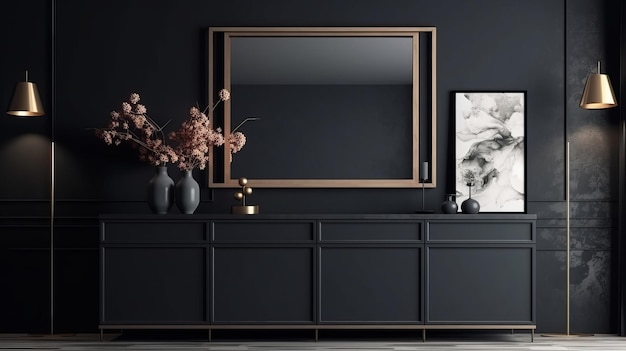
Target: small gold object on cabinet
{"x":241,"y":195}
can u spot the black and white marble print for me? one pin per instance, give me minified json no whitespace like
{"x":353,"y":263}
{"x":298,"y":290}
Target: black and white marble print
{"x":490,"y":136}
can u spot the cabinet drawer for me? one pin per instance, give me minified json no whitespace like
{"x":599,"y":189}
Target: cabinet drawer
{"x":371,"y":231}
{"x":153,"y":231}
{"x":263,"y":231}
{"x":480,"y":231}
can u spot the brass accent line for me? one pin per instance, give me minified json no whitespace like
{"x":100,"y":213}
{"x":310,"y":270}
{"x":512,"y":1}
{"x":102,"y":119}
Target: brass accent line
{"x":415,"y":50}
{"x":567,"y":234}
{"x":210,"y":168}
{"x":227,"y":109}
{"x":52,"y":171}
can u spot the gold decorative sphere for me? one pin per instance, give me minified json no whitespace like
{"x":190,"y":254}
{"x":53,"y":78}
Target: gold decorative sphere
{"x":238,"y":196}
{"x":247,"y":190}
{"x":243,"y":181}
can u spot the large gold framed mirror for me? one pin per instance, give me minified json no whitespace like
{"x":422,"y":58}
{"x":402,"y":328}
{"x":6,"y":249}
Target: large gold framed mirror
{"x":338,"y":107}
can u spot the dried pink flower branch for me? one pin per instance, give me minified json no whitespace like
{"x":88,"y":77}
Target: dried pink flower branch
{"x":195,"y":137}
{"x":132,"y":124}
{"x":193,"y":140}
{"x":236,"y":141}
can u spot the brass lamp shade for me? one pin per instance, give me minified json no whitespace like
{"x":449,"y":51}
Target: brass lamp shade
{"x":25,"y":101}
{"x":598,"y":92}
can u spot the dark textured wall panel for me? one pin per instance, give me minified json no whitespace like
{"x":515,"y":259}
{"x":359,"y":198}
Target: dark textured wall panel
{"x":591,"y":292}
{"x":591,"y":289}
{"x":26,"y":302}
{"x":551,"y":315}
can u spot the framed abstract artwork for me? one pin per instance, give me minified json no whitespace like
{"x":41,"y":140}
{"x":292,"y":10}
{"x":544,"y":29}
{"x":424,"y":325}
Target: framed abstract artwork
{"x":490,"y":131}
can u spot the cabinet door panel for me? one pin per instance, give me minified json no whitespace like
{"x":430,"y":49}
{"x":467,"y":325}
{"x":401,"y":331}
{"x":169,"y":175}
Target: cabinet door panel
{"x":263,"y":284}
{"x":479,"y":285}
{"x":154,"y":285}
{"x":370,"y":284}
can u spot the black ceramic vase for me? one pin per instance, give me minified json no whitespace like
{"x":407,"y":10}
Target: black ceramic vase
{"x":470,"y":205}
{"x":449,"y":206}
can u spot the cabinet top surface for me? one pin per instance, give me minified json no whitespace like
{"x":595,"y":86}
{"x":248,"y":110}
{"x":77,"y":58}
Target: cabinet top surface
{"x":310,"y":216}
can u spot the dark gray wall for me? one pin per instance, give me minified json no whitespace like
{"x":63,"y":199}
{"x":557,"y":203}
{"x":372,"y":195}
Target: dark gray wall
{"x":105,"y":50}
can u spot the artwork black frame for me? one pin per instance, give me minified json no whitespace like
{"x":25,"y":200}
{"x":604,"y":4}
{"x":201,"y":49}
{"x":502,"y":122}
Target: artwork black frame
{"x":490,"y":136}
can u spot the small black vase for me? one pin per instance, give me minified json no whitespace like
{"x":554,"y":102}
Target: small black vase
{"x":449,"y":206}
{"x":470,"y":206}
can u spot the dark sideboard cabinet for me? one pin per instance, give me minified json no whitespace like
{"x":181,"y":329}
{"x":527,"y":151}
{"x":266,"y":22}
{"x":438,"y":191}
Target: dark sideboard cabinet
{"x":317,"y":272}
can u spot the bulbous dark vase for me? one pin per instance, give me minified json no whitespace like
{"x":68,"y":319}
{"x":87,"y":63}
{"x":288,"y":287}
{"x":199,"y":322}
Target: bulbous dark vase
{"x":470,"y":206}
{"x":449,"y":206}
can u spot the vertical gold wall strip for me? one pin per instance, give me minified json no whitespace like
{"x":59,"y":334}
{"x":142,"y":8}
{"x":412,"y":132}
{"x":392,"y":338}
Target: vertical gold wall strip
{"x":567,"y":240}
{"x":210,"y":78}
{"x":227,"y":116}
{"x":416,"y":107}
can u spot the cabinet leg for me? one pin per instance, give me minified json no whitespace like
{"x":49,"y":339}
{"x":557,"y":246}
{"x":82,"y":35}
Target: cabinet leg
{"x":317,"y":335}
{"x":423,"y":335}
{"x":101,"y":334}
{"x":532,"y":335}
{"x":210,"y":336}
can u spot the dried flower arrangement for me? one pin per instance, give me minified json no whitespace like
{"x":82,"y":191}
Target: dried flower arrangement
{"x":193,"y":139}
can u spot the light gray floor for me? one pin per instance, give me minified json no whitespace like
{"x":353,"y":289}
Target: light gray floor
{"x":88,"y":342}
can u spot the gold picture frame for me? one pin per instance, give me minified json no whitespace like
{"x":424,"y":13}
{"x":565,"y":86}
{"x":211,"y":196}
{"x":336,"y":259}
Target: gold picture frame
{"x":365,"y":65}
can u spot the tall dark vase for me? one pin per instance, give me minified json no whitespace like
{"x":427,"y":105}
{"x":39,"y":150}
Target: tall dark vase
{"x":470,"y":205}
{"x":449,"y":206}
{"x":187,"y":193}
{"x":161,"y":191}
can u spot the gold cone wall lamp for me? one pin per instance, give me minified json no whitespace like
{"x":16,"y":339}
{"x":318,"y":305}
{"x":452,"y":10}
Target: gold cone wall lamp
{"x":25,"y":101}
{"x":598,"y":92}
